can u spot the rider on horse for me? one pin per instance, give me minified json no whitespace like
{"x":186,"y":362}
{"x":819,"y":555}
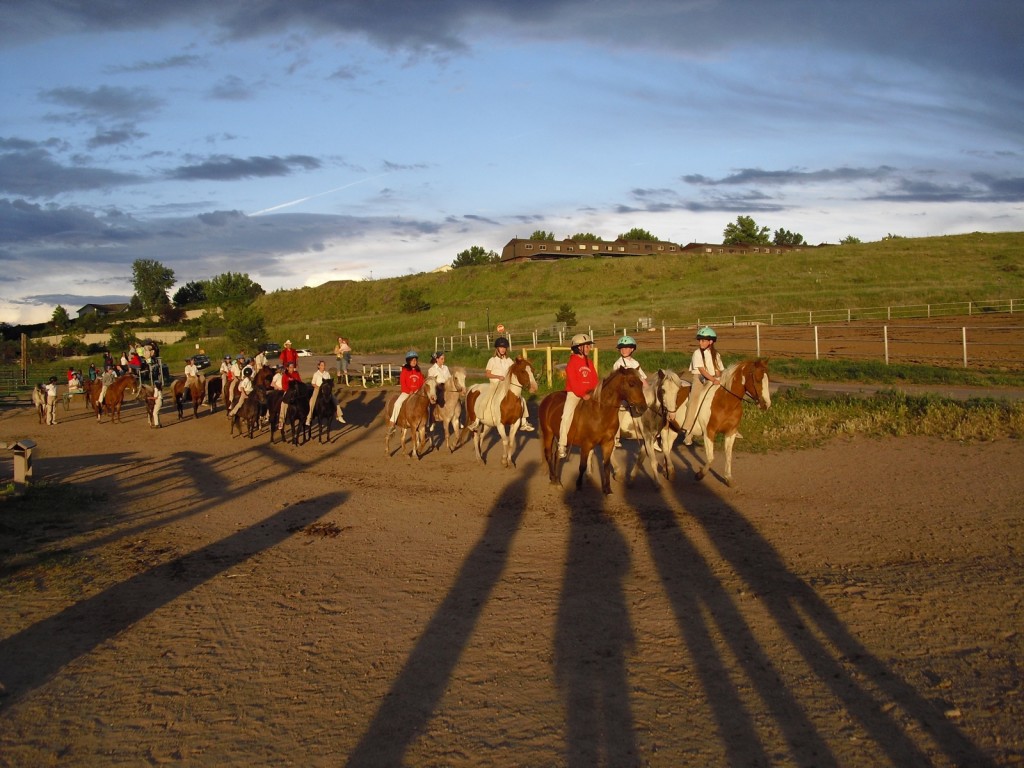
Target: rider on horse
{"x":705,"y":370}
{"x":580,"y":380}
{"x":497,"y":369}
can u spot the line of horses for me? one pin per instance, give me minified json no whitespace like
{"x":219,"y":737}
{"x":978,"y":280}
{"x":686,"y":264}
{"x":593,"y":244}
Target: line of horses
{"x":623,"y":406}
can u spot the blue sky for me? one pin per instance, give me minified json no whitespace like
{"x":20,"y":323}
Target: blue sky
{"x":312,"y":140}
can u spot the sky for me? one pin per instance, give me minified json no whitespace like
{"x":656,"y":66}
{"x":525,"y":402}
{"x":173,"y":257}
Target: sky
{"x":303,"y":141}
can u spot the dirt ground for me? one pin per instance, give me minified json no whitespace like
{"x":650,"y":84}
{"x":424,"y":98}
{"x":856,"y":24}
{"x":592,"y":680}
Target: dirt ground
{"x":230,"y":602}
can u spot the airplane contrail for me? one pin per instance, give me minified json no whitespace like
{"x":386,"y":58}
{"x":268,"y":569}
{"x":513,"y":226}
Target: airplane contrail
{"x":318,"y":194}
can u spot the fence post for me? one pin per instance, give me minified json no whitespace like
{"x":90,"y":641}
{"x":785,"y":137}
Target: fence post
{"x":810,"y":317}
{"x":849,"y":314}
{"x":815,"y":342}
{"x":885,"y":338}
{"x":929,"y":312}
{"x":771,"y":319}
{"x":550,"y":378}
{"x":663,"y":347}
{"x":757,"y":331}
{"x":888,"y":313}
{"x":963,"y":336}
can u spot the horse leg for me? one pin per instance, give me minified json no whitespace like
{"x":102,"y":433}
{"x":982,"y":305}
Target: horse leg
{"x":478,"y":439}
{"x":729,"y":440}
{"x":606,"y":465}
{"x":584,"y":460}
{"x":709,"y":456}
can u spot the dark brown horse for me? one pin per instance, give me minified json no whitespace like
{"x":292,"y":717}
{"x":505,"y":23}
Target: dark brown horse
{"x":594,"y":422}
{"x":182,"y":392}
{"x":114,"y":397}
{"x":413,"y":417}
{"x":501,"y":408}
{"x":721,"y":409}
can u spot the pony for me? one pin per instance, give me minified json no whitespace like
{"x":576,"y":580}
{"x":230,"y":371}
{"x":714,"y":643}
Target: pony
{"x":448,"y":410}
{"x":249,"y":412}
{"x":296,"y":398}
{"x":323,"y":411}
{"x":260,"y":379}
{"x":214,"y":389}
{"x":39,"y":401}
{"x":196,"y":393}
{"x":664,"y":393}
{"x":594,"y":422}
{"x":504,"y":409}
{"x":114,"y":397}
{"x":721,"y":409}
{"x":413,"y":417}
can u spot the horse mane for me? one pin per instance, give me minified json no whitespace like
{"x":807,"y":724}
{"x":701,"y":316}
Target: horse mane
{"x":730,"y":373}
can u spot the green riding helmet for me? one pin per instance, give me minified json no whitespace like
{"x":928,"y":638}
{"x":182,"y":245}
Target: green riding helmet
{"x":626,"y":341}
{"x":707,"y":332}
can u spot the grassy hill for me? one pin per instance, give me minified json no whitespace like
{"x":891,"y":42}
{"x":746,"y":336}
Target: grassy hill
{"x":672,"y":289}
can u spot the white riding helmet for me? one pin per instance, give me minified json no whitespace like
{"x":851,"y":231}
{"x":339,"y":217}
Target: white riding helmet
{"x":580,"y":338}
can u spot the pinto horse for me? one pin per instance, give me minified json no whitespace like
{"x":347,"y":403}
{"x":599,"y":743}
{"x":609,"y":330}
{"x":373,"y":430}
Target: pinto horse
{"x":503,"y":410}
{"x":182,"y":392}
{"x":414,"y":417}
{"x":448,"y":410}
{"x":594,"y":422}
{"x":662,"y":392}
{"x":114,"y":398}
{"x":39,"y":401}
{"x":721,"y":409}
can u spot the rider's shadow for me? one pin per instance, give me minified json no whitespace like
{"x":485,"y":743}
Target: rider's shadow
{"x":593,"y":638}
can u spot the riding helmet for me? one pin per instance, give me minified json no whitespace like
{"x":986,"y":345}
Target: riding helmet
{"x":626,"y":341}
{"x":580,"y":338}
{"x":411,"y":354}
{"x":501,"y":341}
{"x":707,"y":332}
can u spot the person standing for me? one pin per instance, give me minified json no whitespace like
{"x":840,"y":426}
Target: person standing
{"x":705,"y":370}
{"x":155,"y":403}
{"x":289,"y":355}
{"x":51,"y":401}
{"x":344,"y":354}
{"x":580,"y":381}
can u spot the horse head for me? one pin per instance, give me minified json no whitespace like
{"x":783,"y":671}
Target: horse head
{"x":624,"y":384}
{"x":756,"y":384}
{"x":459,"y":379}
{"x":429,"y":388}
{"x":522,"y":371}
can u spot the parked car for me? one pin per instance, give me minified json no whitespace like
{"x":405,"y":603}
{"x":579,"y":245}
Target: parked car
{"x":201,"y":361}
{"x":303,"y":353}
{"x":271,"y":349}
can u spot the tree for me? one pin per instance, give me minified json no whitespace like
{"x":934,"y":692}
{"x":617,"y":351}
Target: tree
{"x":152,"y":280}
{"x":540,"y":234}
{"x":190,"y":293}
{"x":585,"y":237}
{"x":411,"y":300}
{"x":785,"y":237}
{"x":73,"y":344}
{"x":245,"y":326}
{"x":474,"y":257}
{"x":745,"y":230}
{"x":121,"y":337}
{"x":232,"y":288}
{"x":60,"y":318}
{"x":567,"y":315}
{"x":637,"y":234}
{"x":850,"y":240}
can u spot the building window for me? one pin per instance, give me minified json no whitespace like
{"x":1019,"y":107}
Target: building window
{"x":622,"y":248}
{"x":707,"y":250}
{"x":529,"y":246}
{"x":593,"y":247}
{"x":569,"y":248}
{"x":671,"y":247}
{"x":542,"y":247}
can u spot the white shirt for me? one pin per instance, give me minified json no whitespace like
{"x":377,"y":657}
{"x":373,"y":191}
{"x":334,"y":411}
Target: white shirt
{"x":440,"y":373}
{"x":630,"y":362}
{"x":499,"y":365}
{"x":319,"y":377}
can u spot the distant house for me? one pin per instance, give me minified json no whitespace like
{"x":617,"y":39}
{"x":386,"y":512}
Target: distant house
{"x":742,"y":248}
{"x":517,"y":250}
{"x":102,"y":310}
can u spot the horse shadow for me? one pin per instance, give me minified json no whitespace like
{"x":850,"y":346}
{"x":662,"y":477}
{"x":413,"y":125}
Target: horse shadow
{"x":418,"y":689}
{"x":54,"y":642}
{"x":705,"y":608}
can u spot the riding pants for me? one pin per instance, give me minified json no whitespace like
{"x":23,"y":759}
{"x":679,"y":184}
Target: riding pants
{"x":571,"y":401}
{"x":697,"y":388}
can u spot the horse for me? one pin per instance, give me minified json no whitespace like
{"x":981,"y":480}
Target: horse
{"x":39,"y":401}
{"x":594,"y":422}
{"x":413,"y":417}
{"x":721,"y":409}
{"x":448,"y":410}
{"x":504,"y":410}
{"x":663,"y":392}
{"x":196,"y":392}
{"x":249,"y":412}
{"x":260,"y":379}
{"x":323,"y":412}
{"x":296,"y":397}
{"x":214,"y":390}
{"x":114,"y":397}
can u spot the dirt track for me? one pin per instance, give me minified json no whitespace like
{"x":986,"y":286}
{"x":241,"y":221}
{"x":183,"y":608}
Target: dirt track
{"x":239,"y":603}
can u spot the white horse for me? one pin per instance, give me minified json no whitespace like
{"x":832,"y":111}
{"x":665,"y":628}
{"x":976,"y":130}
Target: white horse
{"x":663,"y":392}
{"x":503,"y":410}
{"x":448,"y":410}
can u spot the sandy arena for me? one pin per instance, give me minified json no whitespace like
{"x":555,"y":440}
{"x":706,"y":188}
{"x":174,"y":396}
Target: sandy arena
{"x":229,"y":602}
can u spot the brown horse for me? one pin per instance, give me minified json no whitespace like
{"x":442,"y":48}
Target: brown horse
{"x":503,"y":410}
{"x":594,"y":423}
{"x":196,"y":393}
{"x":721,"y":409}
{"x":414,"y":417}
{"x":114,"y":398}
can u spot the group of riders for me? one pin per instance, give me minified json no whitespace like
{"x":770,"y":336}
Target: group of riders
{"x":581,"y":378}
